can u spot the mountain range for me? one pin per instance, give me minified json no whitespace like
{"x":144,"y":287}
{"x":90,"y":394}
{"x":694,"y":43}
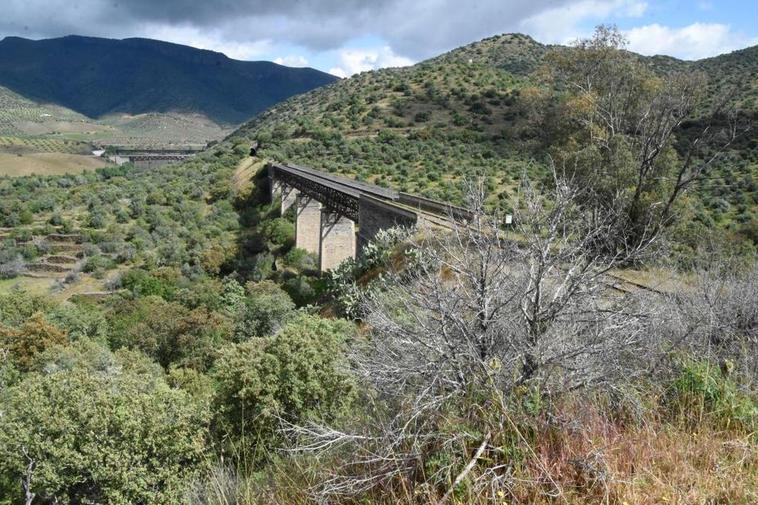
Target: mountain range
{"x":96,"y":77}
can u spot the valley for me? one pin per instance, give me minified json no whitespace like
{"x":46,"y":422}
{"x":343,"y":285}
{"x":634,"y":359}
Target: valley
{"x":53,"y":130}
{"x":45,"y":139}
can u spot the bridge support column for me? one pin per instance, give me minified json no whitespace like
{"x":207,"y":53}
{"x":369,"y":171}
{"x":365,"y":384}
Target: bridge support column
{"x":279,"y":189}
{"x":307,"y":224}
{"x":337,"y":240}
{"x":275,"y":188}
{"x":289,"y":197}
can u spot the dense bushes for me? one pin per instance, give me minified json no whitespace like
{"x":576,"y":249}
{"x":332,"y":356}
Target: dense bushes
{"x":109,"y":435}
{"x":293,"y":376}
{"x":110,"y":402}
{"x":264,"y":311}
{"x":169,"y":332}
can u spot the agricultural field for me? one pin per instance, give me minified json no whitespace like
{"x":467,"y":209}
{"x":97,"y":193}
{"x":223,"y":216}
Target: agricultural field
{"x":19,"y":145}
{"x":46,"y":163}
{"x":47,"y":139}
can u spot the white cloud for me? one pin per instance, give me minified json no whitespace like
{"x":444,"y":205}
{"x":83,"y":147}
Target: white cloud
{"x":695,"y":41}
{"x":353,"y":61}
{"x":209,"y":39}
{"x":292,"y":60}
{"x":561,"y":24}
{"x":635,"y":9}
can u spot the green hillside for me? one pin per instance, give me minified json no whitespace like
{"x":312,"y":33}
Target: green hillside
{"x":467,"y":113}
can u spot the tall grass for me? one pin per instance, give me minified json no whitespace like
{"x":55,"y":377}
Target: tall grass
{"x":692,"y":442}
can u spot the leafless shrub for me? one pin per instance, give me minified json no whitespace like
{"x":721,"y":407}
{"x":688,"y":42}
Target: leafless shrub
{"x":13,"y":268}
{"x":220,"y":486}
{"x":480,"y":311}
{"x":716,"y":317}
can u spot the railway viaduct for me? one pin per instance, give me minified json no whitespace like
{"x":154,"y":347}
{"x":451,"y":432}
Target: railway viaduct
{"x":336,"y":216}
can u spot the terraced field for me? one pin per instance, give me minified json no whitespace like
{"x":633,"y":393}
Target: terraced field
{"x":43,"y":145}
{"x":23,"y":164}
{"x":57,"y":271}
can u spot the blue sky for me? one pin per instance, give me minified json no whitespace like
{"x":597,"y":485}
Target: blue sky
{"x":348,"y":36}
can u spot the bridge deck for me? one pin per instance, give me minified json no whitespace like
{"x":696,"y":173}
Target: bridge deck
{"x":343,"y":195}
{"x":347,"y":190}
{"x":330,"y":180}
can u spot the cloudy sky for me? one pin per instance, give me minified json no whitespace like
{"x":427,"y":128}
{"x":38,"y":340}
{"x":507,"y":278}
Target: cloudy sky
{"x":348,"y":36}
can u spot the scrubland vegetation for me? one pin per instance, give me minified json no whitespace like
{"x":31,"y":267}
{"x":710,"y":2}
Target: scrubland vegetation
{"x":490,"y":364}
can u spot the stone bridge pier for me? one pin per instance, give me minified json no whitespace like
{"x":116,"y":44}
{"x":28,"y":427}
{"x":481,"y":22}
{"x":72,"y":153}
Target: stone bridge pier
{"x":308,"y":224}
{"x":326,"y":234}
{"x":288,"y":194}
{"x":329,"y":235}
{"x":338,"y":240}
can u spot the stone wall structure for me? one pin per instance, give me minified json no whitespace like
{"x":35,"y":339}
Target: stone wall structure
{"x":337,"y":240}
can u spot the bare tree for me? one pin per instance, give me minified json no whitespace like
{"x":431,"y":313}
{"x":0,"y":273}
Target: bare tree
{"x":26,"y":480}
{"x":479,"y":310}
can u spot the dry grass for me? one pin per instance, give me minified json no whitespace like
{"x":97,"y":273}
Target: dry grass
{"x":585,"y":459}
{"x":653,"y":463}
{"x":86,"y":283}
{"x":242,"y":179}
{"x":30,"y":285}
{"x":18,"y":165}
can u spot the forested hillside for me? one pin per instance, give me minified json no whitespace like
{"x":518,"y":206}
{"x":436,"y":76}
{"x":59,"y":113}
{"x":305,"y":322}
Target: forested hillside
{"x":96,"y":77}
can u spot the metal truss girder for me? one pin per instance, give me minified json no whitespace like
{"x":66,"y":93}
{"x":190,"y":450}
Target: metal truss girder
{"x":334,"y":199}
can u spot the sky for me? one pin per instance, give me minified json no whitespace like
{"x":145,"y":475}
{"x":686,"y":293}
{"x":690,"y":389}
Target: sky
{"x":345,"y":37}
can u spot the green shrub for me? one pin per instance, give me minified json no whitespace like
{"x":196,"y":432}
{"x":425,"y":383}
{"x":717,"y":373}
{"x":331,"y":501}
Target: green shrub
{"x":98,"y":263}
{"x":100,"y":437}
{"x":262,"y":267}
{"x":266,"y":309}
{"x":80,"y":321}
{"x":301,"y":259}
{"x":169,"y":332}
{"x":300,"y":290}
{"x":278,"y":232}
{"x":16,"y":307}
{"x":703,"y":390}
{"x":296,"y":375}
{"x":422,"y":117}
{"x":143,"y":283}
